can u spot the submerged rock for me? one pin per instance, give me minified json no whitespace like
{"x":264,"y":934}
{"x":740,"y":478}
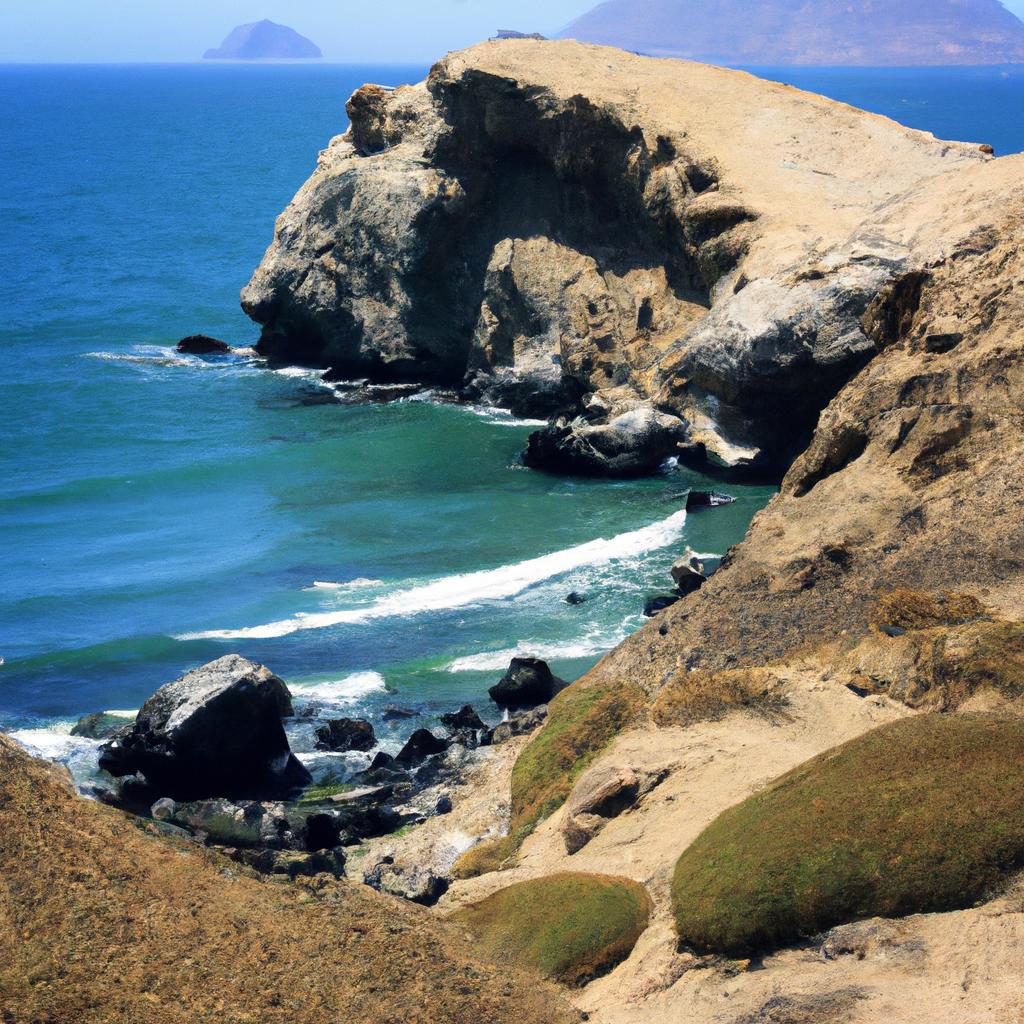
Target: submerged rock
{"x":202,"y":345}
{"x":216,"y":731}
{"x":527,"y":683}
{"x":101,"y":725}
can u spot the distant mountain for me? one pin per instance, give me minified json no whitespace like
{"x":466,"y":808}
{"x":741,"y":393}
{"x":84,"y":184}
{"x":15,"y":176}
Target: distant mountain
{"x":264,"y":40}
{"x":858,"y":32}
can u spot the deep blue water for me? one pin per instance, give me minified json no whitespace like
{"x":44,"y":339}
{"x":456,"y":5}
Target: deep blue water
{"x":158,"y":511}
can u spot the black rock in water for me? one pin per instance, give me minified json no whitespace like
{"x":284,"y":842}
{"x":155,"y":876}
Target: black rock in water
{"x":707,"y":499}
{"x":465,"y":718}
{"x":393,"y":714}
{"x":342,"y":734}
{"x":659,"y":603}
{"x":419,"y":746}
{"x":201,"y":345}
{"x":101,"y":726}
{"x":215,"y":732}
{"x":527,"y":683}
{"x":574,"y":598}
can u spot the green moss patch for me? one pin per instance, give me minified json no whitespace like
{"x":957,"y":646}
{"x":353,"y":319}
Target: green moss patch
{"x":320,"y":794}
{"x":571,"y":927}
{"x":582,"y":720}
{"x":919,"y":815}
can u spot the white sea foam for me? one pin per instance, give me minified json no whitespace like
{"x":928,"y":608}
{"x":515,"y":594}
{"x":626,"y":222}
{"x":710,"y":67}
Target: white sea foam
{"x":501,"y":417}
{"x":54,"y":743}
{"x":471,"y":588}
{"x":356,"y":584}
{"x":122,"y":714}
{"x":347,"y":690}
{"x":495,"y":661}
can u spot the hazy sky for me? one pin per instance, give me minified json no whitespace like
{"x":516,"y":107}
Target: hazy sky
{"x":373,"y":31}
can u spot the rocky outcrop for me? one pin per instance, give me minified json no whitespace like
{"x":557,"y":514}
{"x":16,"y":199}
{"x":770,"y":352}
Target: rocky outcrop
{"x":566,"y":229}
{"x":342,"y":734}
{"x":216,"y":731}
{"x":264,"y":40}
{"x":527,"y":683}
{"x":202,"y":345}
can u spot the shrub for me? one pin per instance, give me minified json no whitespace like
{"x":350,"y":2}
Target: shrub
{"x":571,"y":926}
{"x":708,"y":697}
{"x":920,"y":815}
{"x":912,"y":609}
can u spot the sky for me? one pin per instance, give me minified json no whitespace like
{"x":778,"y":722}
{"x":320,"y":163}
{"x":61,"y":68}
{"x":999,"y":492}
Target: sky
{"x":348,"y":31}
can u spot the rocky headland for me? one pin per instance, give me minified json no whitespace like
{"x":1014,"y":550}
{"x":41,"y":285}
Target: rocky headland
{"x":794,"y":795}
{"x":264,"y":40}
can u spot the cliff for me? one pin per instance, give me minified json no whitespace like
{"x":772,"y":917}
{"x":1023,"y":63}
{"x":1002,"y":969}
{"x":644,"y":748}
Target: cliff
{"x":264,"y":40}
{"x":828,"y":32}
{"x":560,"y":227}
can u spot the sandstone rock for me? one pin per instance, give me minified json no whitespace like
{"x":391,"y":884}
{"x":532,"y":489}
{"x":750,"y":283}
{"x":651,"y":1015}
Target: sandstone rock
{"x":634,"y":443}
{"x":671,"y":250}
{"x":342,"y":734}
{"x":602,"y":793}
{"x":419,"y":746}
{"x":216,"y":731}
{"x":201,"y":345}
{"x":527,"y":683}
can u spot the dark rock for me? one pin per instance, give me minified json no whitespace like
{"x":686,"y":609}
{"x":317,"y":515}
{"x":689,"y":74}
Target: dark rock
{"x":248,"y":823}
{"x":292,"y":863}
{"x":201,"y":345}
{"x":163,"y":810}
{"x":659,"y":603}
{"x":408,"y":882}
{"x":465,"y":718}
{"x":215,"y":732}
{"x":632,"y":444}
{"x":101,"y":726}
{"x":381,"y":760}
{"x":342,"y":734}
{"x":419,"y":746}
{"x":707,"y":499}
{"x":940,"y":343}
{"x":393,"y":714}
{"x":688,"y":575}
{"x":527,"y":683}
{"x":518,"y":725}
{"x":893,"y":631}
{"x":444,"y":804}
{"x":574,"y":598}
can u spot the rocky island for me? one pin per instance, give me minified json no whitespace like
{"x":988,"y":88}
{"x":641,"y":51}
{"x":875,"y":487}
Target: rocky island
{"x":899,"y":33}
{"x":264,"y":40}
{"x":794,"y":795}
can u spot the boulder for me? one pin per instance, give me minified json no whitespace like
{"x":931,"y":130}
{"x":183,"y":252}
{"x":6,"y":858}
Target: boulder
{"x":634,"y":443}
{"x":574,"y":598}
{"x":518,"y":725}
{"x":292,"y":863}
{"x":101,"y":725}
{"x":419,"y":746}
{"x":603,"y":793}
{"x":688,"y":574}
{"x":215,"y":732}
{"x":659,"y":603}
{"x":408,"y":882}
{"x":343,"y":734}
{"x":527,"y":684}
{"x":202,"y":345}
{"x":465,"y":718}
{"x":707,"y":499}
{"x":249,"y":823}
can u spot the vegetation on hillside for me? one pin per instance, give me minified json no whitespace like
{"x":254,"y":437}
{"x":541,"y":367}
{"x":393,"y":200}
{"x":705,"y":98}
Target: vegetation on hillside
{"x":570,"y":926}
{"x":923,"y":814}
{"x":582,"y":720}
{"x":709,"y":696}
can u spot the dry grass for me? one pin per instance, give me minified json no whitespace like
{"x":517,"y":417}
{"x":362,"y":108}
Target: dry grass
{"x":571,"y":927}
{"x":920,"y":815}
{"x":100,"y":920}
{"x":709,"y":697}
{"x":912,"y":609}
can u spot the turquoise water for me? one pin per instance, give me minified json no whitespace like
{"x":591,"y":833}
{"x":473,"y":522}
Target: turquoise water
{"x":159,"y":511}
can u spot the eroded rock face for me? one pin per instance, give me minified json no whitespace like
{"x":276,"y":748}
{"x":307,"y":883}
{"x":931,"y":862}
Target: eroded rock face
{"x":543,"y":222}
{"x":216,"y":731}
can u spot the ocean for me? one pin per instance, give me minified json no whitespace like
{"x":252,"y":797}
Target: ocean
{"x":159,"y":511}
